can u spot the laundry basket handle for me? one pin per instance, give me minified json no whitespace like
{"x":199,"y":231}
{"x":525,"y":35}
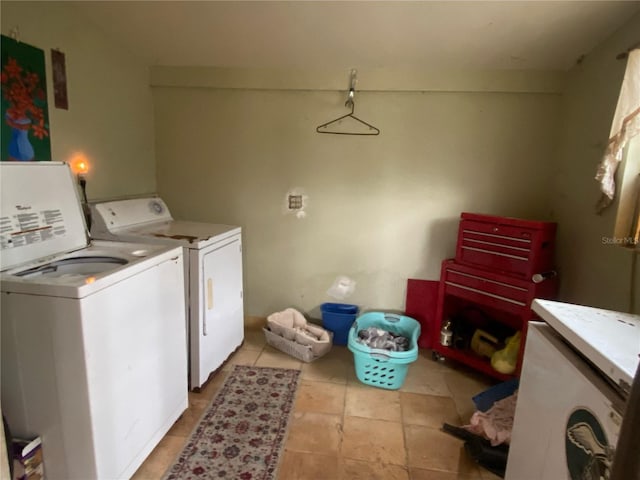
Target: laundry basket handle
{"x":381,"y":357}
{"x":392,"y":317}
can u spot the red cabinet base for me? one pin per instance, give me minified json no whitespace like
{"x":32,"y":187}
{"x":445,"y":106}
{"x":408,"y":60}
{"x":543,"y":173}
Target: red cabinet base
{"x":473,"y":298}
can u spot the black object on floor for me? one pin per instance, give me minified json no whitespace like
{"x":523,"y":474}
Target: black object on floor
{"x":458,"y":431}
{"x":480,"y":449}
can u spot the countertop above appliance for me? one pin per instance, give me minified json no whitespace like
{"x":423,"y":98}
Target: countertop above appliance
{"x":610,"y":340}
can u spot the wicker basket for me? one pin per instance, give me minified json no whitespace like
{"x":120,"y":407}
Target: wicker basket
{"x":301,"y":352}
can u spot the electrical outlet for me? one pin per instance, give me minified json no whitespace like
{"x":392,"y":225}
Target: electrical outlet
{"x":295,"y":202}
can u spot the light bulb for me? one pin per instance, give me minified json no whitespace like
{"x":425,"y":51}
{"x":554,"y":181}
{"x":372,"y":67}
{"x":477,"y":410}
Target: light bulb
{"x":79,"y":164}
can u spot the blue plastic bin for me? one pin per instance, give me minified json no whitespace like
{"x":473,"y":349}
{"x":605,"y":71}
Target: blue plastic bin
{"x":378,"y":367}
{"x":485,"y":400}
{"x":338,"y":317}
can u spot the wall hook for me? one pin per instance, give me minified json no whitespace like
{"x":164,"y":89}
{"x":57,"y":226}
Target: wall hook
{"x":332,"y":126}
{"x":352,"y":88}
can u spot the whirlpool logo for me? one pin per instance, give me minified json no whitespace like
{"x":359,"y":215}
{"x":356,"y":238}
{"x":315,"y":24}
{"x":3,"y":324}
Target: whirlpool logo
{"x":589,"y":455}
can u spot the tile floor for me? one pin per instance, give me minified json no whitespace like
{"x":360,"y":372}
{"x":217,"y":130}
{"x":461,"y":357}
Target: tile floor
{"x":343,"y":429}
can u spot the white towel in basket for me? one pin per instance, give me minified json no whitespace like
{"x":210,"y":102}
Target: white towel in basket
{"x":292,"y":325}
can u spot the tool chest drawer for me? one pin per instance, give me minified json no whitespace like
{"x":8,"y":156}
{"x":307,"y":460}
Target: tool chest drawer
{"x":494,"y":290}
{"x":515,"y":247}
{"x":482,"y":290}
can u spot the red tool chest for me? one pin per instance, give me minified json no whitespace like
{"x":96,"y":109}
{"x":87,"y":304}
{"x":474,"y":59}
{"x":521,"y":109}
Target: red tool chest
{"x":505,"y":302}
{"x":516,"y":247}
{"x":489,"y":285}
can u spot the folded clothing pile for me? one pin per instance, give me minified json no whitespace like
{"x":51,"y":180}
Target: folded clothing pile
{"x":292,"y":325}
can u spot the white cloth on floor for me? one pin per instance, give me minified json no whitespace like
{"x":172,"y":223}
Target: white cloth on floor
{"x":496,"y":423}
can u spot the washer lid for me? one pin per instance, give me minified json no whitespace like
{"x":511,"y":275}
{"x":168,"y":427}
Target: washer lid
{"x":40,"y":212}
{"x":610,"y":340}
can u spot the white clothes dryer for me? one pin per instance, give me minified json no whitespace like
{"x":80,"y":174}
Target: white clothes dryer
{"x":213,"y":273}
{"x":93,"y":338}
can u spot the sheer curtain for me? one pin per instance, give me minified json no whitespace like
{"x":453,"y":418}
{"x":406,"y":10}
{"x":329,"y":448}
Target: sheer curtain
{"x":626,"y":125}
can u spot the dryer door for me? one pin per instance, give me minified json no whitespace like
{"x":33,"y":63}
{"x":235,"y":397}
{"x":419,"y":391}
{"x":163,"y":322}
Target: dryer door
{"x":220,"y":328}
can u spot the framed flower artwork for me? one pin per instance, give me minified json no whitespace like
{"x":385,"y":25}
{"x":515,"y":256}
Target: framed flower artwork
{"x":25,"y":118}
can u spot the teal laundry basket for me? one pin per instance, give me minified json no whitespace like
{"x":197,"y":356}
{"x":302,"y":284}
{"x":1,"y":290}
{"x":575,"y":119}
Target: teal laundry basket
{"x":378,"y":367}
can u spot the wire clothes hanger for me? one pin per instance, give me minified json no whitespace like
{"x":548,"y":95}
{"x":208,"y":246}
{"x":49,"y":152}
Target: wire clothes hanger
{"x":330,"y":127}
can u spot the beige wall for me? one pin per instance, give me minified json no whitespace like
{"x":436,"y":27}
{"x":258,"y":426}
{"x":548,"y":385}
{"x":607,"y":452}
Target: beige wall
{"x":110,"y":116}
{"x":593,"y":272}
{"x":230,"y":144}
{"x":381,"y":209}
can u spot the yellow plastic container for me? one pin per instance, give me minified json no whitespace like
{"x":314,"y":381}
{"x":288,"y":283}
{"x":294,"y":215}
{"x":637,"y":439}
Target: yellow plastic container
{"x":506,"y":360}
{"x":483,"y":343}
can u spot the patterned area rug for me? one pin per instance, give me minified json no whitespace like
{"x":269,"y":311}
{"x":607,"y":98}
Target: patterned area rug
{"x":242,"y":432}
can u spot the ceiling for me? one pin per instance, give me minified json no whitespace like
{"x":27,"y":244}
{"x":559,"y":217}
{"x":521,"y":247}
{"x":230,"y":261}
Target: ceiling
{"x":542,"y":35}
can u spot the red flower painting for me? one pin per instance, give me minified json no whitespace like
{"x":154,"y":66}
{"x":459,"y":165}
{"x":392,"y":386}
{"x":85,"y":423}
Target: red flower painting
{"x":20,"y":88}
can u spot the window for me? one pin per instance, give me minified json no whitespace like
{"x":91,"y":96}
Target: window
{"x":627,"y":226}
{"x":619,"y":170}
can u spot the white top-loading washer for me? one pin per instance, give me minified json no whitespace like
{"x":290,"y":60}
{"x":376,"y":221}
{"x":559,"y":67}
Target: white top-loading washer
{"x":213,"y":273}
{"x":93,"y":338}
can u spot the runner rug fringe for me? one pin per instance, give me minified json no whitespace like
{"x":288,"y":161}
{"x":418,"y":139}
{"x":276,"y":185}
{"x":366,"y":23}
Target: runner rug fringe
{"x":242,"y":433}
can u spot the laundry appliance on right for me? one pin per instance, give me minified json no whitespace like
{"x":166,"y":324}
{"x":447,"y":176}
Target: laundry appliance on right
{"x":213,"y":273}
{"x":577,"y":372}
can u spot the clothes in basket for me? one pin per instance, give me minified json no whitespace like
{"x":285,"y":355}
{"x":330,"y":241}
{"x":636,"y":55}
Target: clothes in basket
{"x":378,"y":338}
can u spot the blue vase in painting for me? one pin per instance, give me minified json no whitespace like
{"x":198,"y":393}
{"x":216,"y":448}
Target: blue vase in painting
{"x":20,"y":147}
